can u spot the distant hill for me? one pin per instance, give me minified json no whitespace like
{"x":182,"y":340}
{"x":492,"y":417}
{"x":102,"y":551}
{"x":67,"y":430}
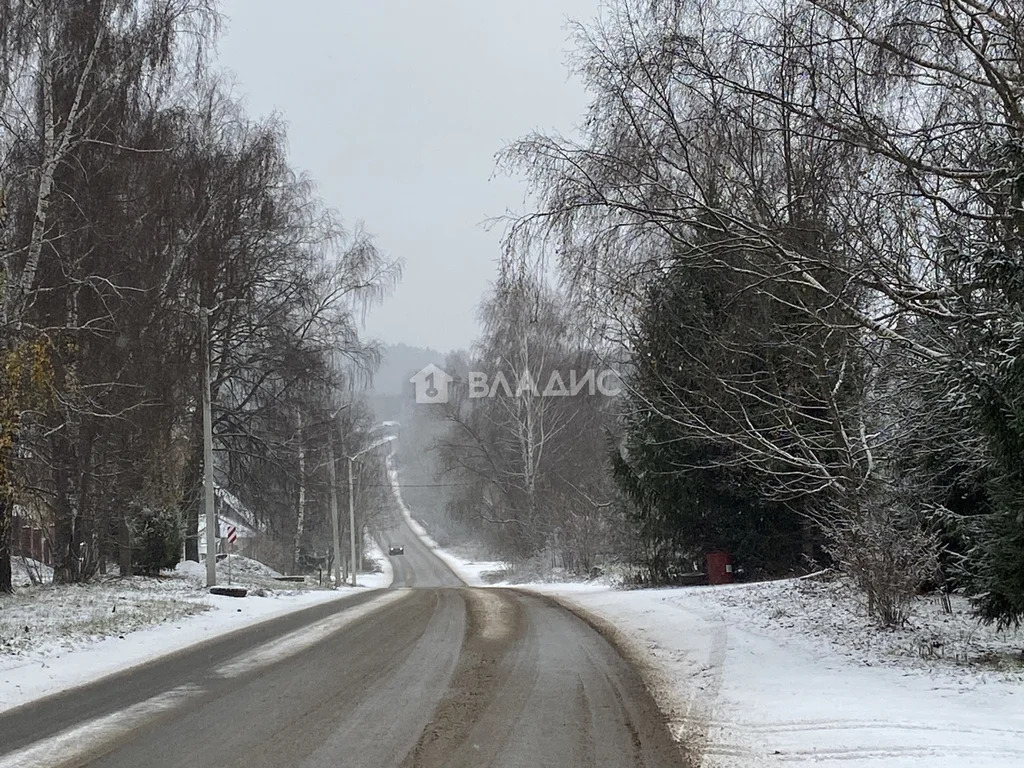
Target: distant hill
{"x":399,"y":363}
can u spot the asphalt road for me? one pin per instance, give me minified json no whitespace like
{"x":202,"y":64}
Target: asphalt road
{"x":430,"y":674}
{"x":418,"y":567}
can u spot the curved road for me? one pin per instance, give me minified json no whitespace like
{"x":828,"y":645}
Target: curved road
{"x":429,"y":674}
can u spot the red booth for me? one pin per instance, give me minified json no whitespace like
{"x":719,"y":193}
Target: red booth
{"x":719,"y":568}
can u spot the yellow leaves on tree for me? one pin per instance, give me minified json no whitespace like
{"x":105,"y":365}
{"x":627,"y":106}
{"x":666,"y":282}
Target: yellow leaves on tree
{"x":26,"y":383}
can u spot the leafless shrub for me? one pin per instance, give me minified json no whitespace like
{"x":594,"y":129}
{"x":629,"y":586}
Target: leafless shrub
{"x":888,"y":554}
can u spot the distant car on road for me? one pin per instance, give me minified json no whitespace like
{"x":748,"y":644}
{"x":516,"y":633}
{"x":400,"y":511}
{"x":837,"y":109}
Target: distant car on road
{"x":396,"y":550}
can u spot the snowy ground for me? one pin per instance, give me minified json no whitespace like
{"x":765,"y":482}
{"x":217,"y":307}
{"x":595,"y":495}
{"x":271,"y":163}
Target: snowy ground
{"x":55,"y":637}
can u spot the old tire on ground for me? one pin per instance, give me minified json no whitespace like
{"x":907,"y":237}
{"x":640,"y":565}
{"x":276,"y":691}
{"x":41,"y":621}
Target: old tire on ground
{"x":229,"y":591}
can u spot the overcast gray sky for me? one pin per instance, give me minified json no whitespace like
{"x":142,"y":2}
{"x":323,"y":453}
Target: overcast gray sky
{"x":396,"y":108}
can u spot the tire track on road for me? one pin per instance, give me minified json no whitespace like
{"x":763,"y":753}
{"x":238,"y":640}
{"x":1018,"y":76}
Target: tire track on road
{"x":494,"y":622}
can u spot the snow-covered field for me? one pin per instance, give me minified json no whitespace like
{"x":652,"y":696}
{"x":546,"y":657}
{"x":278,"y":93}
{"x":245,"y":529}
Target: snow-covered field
{"x":55,"y":637}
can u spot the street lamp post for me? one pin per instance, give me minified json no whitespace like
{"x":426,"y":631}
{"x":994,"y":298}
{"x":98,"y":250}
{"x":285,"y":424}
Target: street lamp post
{"x":211,"y":516}
{"x":351,"y":500}
{"x":334,"y":512}
{"x":207,"y":404}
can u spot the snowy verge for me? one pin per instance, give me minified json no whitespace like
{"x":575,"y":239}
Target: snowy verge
{"x":476,"y":573}
{"x":377,"y":579}
{"x":754,"y":675}
{"x":54,"y":637}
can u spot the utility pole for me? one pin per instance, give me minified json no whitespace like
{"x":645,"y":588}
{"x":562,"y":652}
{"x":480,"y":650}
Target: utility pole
{"x":211,"y":515}
{"x":331,"y":423}
{"x":352,"y":521}
{"x":334,"y":508}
